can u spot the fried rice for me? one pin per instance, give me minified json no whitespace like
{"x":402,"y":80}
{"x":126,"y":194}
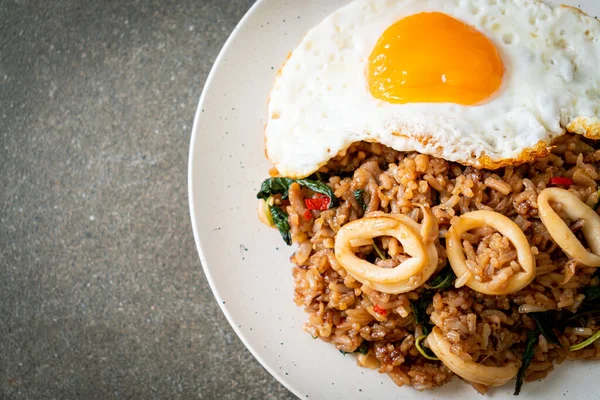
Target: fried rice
{"x":491,"y":330}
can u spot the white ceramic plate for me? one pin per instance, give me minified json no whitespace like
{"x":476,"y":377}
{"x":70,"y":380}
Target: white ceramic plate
{"x":247,"y":264}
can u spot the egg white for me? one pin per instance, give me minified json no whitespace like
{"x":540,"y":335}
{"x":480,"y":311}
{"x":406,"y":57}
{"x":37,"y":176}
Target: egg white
{"x":320,"y":102}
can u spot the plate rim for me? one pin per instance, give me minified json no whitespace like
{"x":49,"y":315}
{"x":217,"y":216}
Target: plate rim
{"x":195,"y":212}
{"x":195,"y":136}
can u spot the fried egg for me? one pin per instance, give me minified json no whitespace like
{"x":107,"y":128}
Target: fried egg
{"x":487,"y":83}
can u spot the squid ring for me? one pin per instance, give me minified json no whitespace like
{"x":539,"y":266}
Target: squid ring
{"x":428,"y":229}
{"x":471,"y":371}
{"x":379,"y":226}
{"x":560,"y":232}
{"x":405,"y":277}
{"x":506,"y":227}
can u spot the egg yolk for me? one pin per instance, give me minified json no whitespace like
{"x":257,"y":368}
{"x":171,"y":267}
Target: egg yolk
{"x":432,"y":57}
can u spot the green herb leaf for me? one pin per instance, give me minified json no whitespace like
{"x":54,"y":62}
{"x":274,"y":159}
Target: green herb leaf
{"x":425,"y":352}
{"x":545,"y":323}
{"x":358,"y":195}
{"x":443,"y":280}
{"x":273,"y":186}
{"x":363,"y":348}
{"x":419,"y":309}
{"x":318,"y":176}
{"x":592,"y":293}
{"x":532,"y":340}
{"x":281,"y":186}
{"x":280,"y":219}
{"x":589,"y":310}
{"x":586,"y":342}
{"x":319,"y":187}
{"x":583,"y":317}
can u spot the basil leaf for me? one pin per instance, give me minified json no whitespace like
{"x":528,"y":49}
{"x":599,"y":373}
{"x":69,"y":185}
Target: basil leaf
{"x":319,"y":187}
{"x":363,"y":348}
{"x":273,"y":186}
{"x":545,"y":324}
{"x":280,"y":219}
{"x":419,"y":309}
{"x":318,"y":176}
{"x":281,"y":186}
{"x":592,"y":293}
{"x":532,"y":340}
{"x":583,"y":316}
{"x":443,"y":280}
{"x":358,"y":195}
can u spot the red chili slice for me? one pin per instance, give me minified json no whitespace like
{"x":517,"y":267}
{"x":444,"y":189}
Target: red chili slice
{"x":379,"y":311}
{"x":318,"y":203}
{"x":307,"y":215}
{"x":561,"y":181}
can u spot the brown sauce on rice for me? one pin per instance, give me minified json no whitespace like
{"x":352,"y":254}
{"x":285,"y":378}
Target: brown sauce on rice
{"x":490,"y":330}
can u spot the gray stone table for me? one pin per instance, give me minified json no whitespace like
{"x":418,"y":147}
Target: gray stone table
{"x":101,"y":291}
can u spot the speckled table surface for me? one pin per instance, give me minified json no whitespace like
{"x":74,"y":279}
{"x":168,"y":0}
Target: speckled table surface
{"x":101,"y":290}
